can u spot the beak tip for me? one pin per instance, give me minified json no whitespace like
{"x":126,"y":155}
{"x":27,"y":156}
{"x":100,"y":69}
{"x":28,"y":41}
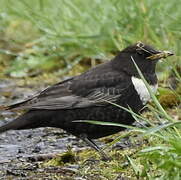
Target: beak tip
{"x":171,"y":54}
{"x":168,"y":53}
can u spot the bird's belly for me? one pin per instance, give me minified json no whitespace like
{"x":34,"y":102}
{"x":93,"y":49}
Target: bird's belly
{"x":109,"y":114}
{"x":104,"y":114}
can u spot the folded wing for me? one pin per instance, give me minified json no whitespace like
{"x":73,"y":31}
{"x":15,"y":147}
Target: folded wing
{"x":78,"y":92}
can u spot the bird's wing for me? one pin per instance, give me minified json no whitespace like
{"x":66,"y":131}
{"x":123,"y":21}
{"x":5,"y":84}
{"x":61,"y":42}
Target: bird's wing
{"x":78,"y":92}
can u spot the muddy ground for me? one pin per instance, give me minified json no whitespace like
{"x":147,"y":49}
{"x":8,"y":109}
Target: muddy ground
{"x":22,"y":153}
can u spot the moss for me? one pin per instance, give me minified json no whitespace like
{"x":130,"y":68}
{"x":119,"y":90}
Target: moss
{"x":168,"y":98}
{"x":117,"y":167}
{"x":67,"y":157}
{"x":178,"y":90}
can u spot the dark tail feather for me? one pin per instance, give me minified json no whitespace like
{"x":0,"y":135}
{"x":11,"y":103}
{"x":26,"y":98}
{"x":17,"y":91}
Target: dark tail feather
{"x":18,"y":123}
{"x":28,"y":120}
{"x":4,"y":128}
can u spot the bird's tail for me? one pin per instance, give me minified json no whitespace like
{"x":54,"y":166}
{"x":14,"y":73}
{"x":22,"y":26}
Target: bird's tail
{"x":6,"y":128}
{"x":18,"y":123}
{"x":26,"y":121}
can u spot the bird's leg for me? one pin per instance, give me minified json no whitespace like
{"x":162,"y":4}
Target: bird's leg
{"x":92,"y":144}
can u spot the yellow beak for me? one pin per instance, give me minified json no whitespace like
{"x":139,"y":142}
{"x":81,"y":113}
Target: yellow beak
{"x":162,"y":54}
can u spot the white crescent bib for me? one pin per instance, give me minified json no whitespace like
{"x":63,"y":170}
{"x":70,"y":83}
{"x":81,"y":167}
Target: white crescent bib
{"x":142,"y":90}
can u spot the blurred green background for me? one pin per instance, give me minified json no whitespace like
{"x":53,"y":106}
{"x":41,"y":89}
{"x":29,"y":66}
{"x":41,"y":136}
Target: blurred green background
{"x":49,"y":39}
{"x":53,"y":36}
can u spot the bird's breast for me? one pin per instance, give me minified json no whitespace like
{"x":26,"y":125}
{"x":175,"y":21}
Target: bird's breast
{"x":141,"y":89}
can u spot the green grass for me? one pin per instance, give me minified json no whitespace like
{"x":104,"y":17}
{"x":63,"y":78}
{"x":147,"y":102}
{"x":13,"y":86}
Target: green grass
{"x":59,"y":30}
{"x":55,"y":35}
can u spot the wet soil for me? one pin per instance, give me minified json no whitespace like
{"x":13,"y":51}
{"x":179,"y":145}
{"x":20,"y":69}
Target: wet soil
{"x":22,"y":152}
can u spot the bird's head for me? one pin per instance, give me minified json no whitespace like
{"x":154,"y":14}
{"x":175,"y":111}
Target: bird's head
{"x":145,"y":57}
{"x":144,"y":51}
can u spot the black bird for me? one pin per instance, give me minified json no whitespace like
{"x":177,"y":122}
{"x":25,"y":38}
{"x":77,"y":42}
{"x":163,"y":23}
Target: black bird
{"x":88,"y":96}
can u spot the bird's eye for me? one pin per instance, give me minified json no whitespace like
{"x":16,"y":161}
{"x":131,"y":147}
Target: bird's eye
{"x":140,"y":48}
{"x":140,"y":45}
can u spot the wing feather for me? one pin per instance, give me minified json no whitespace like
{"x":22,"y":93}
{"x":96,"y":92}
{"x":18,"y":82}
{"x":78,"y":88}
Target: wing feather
{"x":78,"y":93}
